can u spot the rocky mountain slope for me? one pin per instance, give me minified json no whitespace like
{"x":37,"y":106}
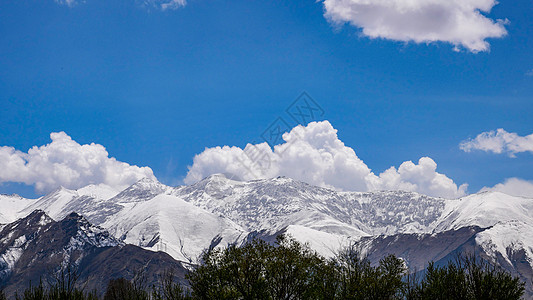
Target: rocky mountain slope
{"x":35,"y":247}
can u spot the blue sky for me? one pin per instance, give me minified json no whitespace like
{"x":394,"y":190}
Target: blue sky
{"x":156,"y":87}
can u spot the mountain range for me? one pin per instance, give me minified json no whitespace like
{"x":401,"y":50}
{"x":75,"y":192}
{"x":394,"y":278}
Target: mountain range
{"x":178,"y":223}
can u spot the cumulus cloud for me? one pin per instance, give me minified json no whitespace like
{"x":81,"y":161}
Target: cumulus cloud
{"x":459,"y":22}
{"x":66,"y":163}
{"x":499,"y":141}
{"x":513,"y":186}
{"x":422,"y":177}
{"x":314,"y":154}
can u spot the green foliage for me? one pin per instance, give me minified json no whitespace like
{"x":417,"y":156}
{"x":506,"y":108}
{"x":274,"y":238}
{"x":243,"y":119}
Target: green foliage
{"x":120,"y":288}
{"x":469,"y":277}
{"x":34,"y":293}
{"x":291,"y":270}
{"x":62,"y":286}
{"x":258,"y":270}
{"x":168,"y":288}
{"x":231,"y":273}
{"x":360,"y":280}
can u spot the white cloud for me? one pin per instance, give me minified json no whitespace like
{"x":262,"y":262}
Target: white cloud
{"x":66,"y":163}
{"x":315,"y":155}
{"x":160,"y":4}
{"x":166,"y":4}
{"x":513,"y":186}
{"x":459,"y":22}
{"x":499,"y":141}
{"x":422,"y":178}
{"x":69,"y":3}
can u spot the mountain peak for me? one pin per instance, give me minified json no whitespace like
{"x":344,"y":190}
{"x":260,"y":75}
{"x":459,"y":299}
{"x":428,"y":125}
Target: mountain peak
{"x":37,"y":216}
{"x":61,"y":189}
{"x":147,"y":183}
{"x":147,"y":180}
{"x":74,"y":215}
{"x":100,"y":191}
{"x":222,"y":176}
{"x":142,"y":190}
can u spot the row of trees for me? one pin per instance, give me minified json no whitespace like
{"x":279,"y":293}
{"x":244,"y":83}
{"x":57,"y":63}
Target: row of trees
{"x":61,"y":285}
{"x":290,"y":270}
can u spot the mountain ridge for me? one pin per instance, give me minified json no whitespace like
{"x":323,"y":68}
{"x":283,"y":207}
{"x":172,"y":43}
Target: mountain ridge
{"x":219,"y":211}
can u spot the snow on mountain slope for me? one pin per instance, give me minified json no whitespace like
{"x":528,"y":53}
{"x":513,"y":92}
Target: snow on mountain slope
{"x":506,"y":238}
{"x":324,"y":243}
{"x":391,"y":212}
{"x":158,"y":217}
{"x":275,"y":203}
{"x":484,"y":210}
{"x":71,"y":235}
{"x":142,"y":190}
{"x":96,"y":202}
{"x":86,"y":201}
{"x":100,"y":191}
{"x":311,"y":213}
{"x":172,"y":225}
{"x":54,"y":203}
{"x":143,"y":215}
{"x":11,"y":207}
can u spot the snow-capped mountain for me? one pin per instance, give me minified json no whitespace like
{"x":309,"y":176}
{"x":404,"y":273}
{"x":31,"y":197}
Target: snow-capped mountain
{"x":484,"y":210}
{"x":91,"y":202}
{"x":279,"y":202}
{"x":145,"y":214}
{"x":11,"y":208}
{"x":69,"y":238}
{"x":169,"y":224}
{"x":34,"y":247}
{"x":217,"y":211}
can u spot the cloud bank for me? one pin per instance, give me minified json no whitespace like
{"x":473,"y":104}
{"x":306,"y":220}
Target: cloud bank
{"x":499,"y":141}
{"x":459,"y":22}
{"x":513,"y":186}
{"x":66,"y":163}
{"x":314,"y":154}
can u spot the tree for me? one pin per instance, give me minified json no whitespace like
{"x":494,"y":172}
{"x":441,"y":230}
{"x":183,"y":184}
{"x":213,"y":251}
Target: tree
{"x":168,"y":288}
{"x":33,"y":293}
{"x":294,"y":271}
{"x":231,"y":273}
{"x":120,"y":288}
{"x":258,"y":270}
{"x":469,"y":277}
{"x":360,"y":280}
{"x":63,"y":285}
